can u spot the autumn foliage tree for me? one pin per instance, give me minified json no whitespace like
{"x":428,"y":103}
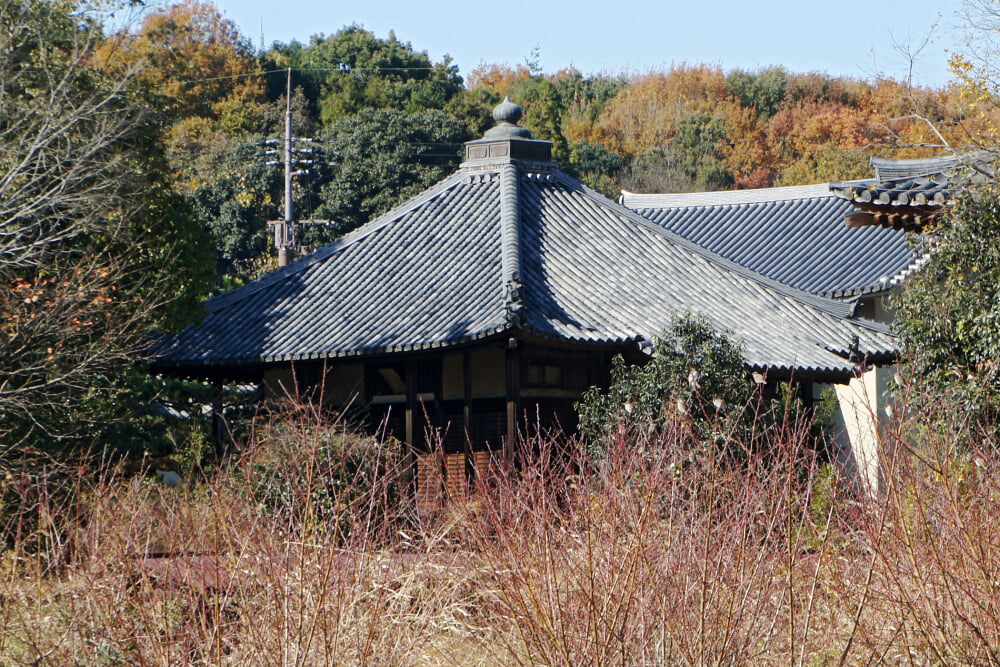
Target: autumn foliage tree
{"x":200,"y":76}
{"x":202,"y":85}
{"x":95,"y":248}
{"x":696,"y":127}
{"x":191,"y":59}
{"x":562,"y":108}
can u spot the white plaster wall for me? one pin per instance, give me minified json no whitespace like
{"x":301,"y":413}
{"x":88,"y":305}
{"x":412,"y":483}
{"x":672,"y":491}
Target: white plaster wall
{"x":863,"y":403}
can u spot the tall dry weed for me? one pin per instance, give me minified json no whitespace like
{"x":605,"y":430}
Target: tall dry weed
{"x":300,"y":553}
{"x":662,"y":552}
{"x":308,"y":549}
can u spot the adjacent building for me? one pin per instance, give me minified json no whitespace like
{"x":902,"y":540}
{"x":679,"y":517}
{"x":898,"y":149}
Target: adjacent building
{"x":847,"y":241}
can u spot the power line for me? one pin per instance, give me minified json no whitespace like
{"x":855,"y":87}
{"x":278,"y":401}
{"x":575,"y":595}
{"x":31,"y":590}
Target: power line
{"x":342,"y":67}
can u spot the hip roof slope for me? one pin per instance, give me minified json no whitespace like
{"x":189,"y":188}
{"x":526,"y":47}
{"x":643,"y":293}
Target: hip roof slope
{"x":597,"y":271}
{"x":795,"y":235}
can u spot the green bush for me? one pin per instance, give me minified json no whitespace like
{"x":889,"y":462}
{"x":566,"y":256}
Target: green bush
{"x":697,"y":376}
{"x":948,"y":320}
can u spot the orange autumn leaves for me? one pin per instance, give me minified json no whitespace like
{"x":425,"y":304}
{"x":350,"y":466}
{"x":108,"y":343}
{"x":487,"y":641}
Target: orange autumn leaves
{"x":780,"y":128}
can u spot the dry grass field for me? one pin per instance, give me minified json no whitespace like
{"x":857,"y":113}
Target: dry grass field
{"x":304,"y":551}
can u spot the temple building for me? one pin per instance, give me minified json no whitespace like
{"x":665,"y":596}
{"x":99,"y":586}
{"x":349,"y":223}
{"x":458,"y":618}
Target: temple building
{"x":484,"y":307}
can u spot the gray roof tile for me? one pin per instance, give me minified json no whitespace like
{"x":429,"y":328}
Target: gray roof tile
{"x":795,"y":235}
{"x":604,"y":270}
{"x":932,"y":190}
{"x":490,"y":250}
{"x":908,"y":194}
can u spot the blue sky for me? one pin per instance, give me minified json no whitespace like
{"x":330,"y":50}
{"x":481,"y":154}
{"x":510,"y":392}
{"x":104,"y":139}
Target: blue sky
{"x":852,"y":39}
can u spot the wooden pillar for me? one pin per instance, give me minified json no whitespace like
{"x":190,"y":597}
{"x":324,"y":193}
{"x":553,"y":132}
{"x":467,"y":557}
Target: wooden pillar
{"x":467,"y":397}
{"x":218,"y":420}
{"x":439,"y":424}
{"x":411,"y":415}
{"x":513,"y":401}
{"x":604,"y":381}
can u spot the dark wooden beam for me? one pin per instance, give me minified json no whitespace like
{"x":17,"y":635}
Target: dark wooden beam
{"x":439,"y":425}
{"x":467,"y":396}
{"x":410,"y":379}
{"x":513,"y":400}
{"x":903,"y":217}
{"x":409,"y":457}
{"x":219,"y":439}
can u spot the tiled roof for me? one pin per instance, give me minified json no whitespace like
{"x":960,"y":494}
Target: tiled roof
{"x":609,"y":271}
{"x":795,"y":235}
{"x":908,"y":194}
{"x":927,"y":190}
{"x":404,"y":281}
{"x":513,"y":245}
{"x":891,"y":169}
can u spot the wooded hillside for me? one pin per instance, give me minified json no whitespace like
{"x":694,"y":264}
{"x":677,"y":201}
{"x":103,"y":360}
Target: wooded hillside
{"x":392,"y":122}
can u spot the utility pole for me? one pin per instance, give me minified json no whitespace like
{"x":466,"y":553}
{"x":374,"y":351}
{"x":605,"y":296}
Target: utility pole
{"x":283,"y":233}
{"x":285,"y":230}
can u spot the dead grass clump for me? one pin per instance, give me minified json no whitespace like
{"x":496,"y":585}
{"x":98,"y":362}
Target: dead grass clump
{"x":661,"y":553}
{"x":934,"y":539}
{"x":307,"y":549}
{"x":300,"y":553}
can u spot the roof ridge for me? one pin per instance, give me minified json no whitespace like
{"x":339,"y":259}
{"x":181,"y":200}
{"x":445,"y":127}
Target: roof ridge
{"x":227,"y":299}
{"x":510,"y":234}
{"x":892,"y":169}
{"x":725,"y":197}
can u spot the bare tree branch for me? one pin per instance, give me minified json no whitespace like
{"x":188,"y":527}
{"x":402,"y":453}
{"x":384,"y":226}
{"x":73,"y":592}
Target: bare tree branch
{"x":86,"y":232}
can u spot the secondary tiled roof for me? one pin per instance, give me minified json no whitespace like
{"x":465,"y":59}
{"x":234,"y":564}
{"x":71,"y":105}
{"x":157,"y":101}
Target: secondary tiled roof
{"x":904,"y":204}
{"x":511,"y":244}
{"x":908,"y":194}
{"x":795,"y":235}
